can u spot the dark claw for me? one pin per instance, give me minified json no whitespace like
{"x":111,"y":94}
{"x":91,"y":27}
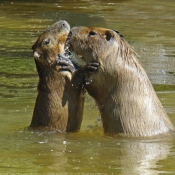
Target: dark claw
{"x":92,"y":67}
{"x":62,"y":62}
{"x":67,"y":68}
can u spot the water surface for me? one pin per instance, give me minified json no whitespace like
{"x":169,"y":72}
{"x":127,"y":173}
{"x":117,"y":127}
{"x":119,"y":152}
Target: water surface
{"x":147,"y":25}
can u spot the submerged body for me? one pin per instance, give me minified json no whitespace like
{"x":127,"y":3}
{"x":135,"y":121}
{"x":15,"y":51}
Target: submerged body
{"x":125,"y":97}
{"x":60,"y":100}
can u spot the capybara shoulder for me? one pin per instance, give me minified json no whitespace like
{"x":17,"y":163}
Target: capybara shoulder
{"x":125,"y":97}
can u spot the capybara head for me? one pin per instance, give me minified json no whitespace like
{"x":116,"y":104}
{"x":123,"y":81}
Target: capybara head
{"x":51,"y":43}
{"x":97,"y":44}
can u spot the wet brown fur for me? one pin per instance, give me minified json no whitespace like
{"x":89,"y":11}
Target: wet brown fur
{"x":125,"y":97}
{"x":60,"y":100}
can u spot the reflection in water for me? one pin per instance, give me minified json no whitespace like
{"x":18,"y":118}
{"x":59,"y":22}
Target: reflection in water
{"x":141,"y":157}
{"x":44,"y":152}
{"x":138,"y":157}
{"x":148,"y":28}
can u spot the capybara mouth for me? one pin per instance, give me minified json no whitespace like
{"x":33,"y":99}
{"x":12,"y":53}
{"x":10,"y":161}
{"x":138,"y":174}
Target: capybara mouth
{"x":70,"y":52}
{"x":69,"y":37}
{"x":68,"y":46}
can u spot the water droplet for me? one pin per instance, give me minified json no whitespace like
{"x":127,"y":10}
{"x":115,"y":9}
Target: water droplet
{"x":41,"y":142}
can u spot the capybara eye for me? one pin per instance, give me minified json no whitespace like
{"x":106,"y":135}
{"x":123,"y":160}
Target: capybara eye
{"x":92,"y":33}
{"x":109,"y":35}
{"x":47,"y":41}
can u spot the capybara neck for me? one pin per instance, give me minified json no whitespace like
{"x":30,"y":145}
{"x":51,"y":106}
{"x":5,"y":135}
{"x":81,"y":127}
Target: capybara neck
{"x":126,"y":99}
{"x":50,"y":78}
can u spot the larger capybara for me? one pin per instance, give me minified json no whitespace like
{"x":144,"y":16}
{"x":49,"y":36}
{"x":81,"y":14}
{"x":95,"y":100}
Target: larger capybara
{"x":60,"y":100}
{"x":125,"y":97}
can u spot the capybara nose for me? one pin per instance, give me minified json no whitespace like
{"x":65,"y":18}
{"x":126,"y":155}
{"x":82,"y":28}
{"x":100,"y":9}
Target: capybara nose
{"x":36,"y":55}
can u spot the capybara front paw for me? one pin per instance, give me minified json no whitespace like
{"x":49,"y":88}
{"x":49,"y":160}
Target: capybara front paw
{"x":65,"y":64}
{"x":65,"y":67}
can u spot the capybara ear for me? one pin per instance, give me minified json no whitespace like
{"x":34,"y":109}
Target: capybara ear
{"x":109,"y":34}
{"x":118,"y":33}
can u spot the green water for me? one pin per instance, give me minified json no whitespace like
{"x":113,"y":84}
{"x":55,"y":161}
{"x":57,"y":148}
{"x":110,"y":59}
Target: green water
{"x":148,"y":25}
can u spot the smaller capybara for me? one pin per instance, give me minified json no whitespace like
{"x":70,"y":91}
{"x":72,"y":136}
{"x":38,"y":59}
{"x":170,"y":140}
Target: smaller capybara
{"x":60,"y":100}
{"x":125,"y":97}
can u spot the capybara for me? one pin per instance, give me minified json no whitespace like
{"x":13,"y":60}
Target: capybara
{"x":125,"y":97}
{"x":60,"y":100}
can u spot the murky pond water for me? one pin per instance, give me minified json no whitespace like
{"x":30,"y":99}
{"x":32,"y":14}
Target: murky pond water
{"x":149,"y":26}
